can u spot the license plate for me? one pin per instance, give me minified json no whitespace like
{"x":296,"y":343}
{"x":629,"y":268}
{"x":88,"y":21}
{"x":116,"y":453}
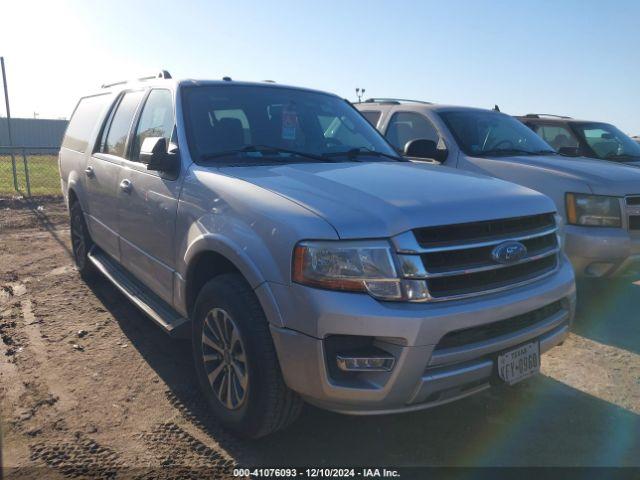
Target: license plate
{"x":519,"y":363}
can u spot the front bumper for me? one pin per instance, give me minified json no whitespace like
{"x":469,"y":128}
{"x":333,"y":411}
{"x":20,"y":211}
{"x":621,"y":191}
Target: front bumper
{"x":423,"y":376}
{"x":603,"y":252}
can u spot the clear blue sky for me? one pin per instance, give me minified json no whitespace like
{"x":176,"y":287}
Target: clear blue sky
{"x":574,"y":57}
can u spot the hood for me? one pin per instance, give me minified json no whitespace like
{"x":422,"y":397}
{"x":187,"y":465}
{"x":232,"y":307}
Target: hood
{"x":382,"y":199}
{"x":602,"y":177}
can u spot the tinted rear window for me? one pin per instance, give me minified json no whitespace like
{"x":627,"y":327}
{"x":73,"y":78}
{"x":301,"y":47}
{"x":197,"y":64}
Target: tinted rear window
{"x":83,"y":121}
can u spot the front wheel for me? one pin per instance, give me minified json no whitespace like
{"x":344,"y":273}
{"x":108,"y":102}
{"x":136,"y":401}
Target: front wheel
{"x":236,"y":361}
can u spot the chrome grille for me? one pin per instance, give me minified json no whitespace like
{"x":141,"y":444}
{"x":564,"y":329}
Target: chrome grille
{"x":633,"y":212}
{"x":465,"y":282}
{"x":481,"y":231}
{"x":456,"y":261}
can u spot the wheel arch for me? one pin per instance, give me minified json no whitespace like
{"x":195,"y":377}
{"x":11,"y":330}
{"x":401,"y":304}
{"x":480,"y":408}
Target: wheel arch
{"x":73,"y":192}
{"x":210,"y":256}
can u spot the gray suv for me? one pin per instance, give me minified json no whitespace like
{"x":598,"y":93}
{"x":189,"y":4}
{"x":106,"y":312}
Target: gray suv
{"x":304,"y":258}
{"x":599,"y":201}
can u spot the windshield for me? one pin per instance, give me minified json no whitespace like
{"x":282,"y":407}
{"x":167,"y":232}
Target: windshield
{"x":607,"y":141}
{"x":257,"y":124}
{"x":492,"y":133}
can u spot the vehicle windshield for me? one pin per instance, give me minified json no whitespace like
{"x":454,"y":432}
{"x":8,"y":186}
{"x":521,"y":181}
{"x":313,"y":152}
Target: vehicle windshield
{"x":482,"y":133}
{"x":607,"y":142}
{"x":256,"y":124}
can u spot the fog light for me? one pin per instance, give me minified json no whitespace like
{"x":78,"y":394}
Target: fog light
{"x":368,"y":363}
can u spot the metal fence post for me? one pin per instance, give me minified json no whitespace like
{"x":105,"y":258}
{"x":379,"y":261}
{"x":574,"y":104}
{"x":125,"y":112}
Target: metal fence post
{"x":15,"y":172}
{"x":38,"y":175}
{"x":6,"y":103}
{"x":26,"y":171}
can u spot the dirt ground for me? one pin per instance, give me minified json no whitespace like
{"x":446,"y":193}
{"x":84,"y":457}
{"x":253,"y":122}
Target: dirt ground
{"x":89,"y":386}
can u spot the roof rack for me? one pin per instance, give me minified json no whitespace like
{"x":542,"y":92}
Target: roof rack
{"x":538,"y":115}
{"x":162,"y":74}
{"x":396,"y":101}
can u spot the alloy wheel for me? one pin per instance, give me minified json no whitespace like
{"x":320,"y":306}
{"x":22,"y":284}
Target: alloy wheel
{"x":224,"y":358}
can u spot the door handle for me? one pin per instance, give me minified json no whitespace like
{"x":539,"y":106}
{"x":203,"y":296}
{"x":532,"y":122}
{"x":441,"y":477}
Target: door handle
{"x":126,"y":186}
{"x":89,"y":171}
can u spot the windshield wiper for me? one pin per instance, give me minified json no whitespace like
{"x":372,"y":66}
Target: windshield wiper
{"x":514,"y":151}
{"x":354,"y":153}
{"x":263,"y":149}
{"x":622,"y":156}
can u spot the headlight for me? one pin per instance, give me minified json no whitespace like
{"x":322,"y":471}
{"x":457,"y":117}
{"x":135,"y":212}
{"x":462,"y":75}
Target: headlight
{"x":593,"y":210}
{"x":354,"y":266}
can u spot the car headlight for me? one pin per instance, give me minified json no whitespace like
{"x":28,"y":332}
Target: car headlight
{"x":354,"y":266}
{"x":593,"y":210}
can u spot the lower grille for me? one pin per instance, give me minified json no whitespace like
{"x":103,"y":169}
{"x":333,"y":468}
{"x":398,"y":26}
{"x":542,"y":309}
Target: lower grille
{"x":469,"y":336}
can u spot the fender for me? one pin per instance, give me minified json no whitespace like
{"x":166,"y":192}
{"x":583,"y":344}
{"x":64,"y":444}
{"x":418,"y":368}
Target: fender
{"x":222,"y":245}
{"x":74,"y":184}
{"x":253,"y":228}
{"x":211,"y":242}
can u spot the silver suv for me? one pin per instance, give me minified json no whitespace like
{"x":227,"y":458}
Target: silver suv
{"x":303,"y":257}
{"x":599,"y":201}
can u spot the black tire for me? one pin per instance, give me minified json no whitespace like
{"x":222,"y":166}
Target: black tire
{"x":267,"y":404}
{"x":81,"y":242}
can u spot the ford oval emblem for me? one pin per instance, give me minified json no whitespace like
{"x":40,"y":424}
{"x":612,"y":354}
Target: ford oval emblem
{"x":509,"y":252}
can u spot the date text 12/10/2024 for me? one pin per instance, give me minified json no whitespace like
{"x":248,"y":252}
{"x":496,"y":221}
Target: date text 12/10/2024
{"x":316,"y":473}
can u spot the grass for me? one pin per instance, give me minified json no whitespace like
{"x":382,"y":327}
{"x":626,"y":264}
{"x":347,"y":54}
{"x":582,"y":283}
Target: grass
{"x":44,"y":177}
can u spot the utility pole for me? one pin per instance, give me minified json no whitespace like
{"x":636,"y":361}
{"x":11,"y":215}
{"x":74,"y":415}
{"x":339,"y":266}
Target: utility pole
{"x":6,"y":102}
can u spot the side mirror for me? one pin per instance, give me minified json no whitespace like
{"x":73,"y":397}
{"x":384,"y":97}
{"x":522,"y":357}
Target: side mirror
{"x":423,"y":148}
{"x":153,"y":153}
{"x":569,"y":151}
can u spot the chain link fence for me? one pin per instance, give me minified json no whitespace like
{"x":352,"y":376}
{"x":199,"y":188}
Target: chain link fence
{"x":29,"y":171}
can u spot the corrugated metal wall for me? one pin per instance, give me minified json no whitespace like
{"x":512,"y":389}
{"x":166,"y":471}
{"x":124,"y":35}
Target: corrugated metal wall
{"x":33,"y":132}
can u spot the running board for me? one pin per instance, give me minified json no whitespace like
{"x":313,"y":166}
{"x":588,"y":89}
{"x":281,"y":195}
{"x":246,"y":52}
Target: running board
{"x":150,"y":304}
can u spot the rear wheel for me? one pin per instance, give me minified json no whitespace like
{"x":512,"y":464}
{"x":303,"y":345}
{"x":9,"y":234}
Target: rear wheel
{"x":236,"y":361}
{"x":81,"y":242}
